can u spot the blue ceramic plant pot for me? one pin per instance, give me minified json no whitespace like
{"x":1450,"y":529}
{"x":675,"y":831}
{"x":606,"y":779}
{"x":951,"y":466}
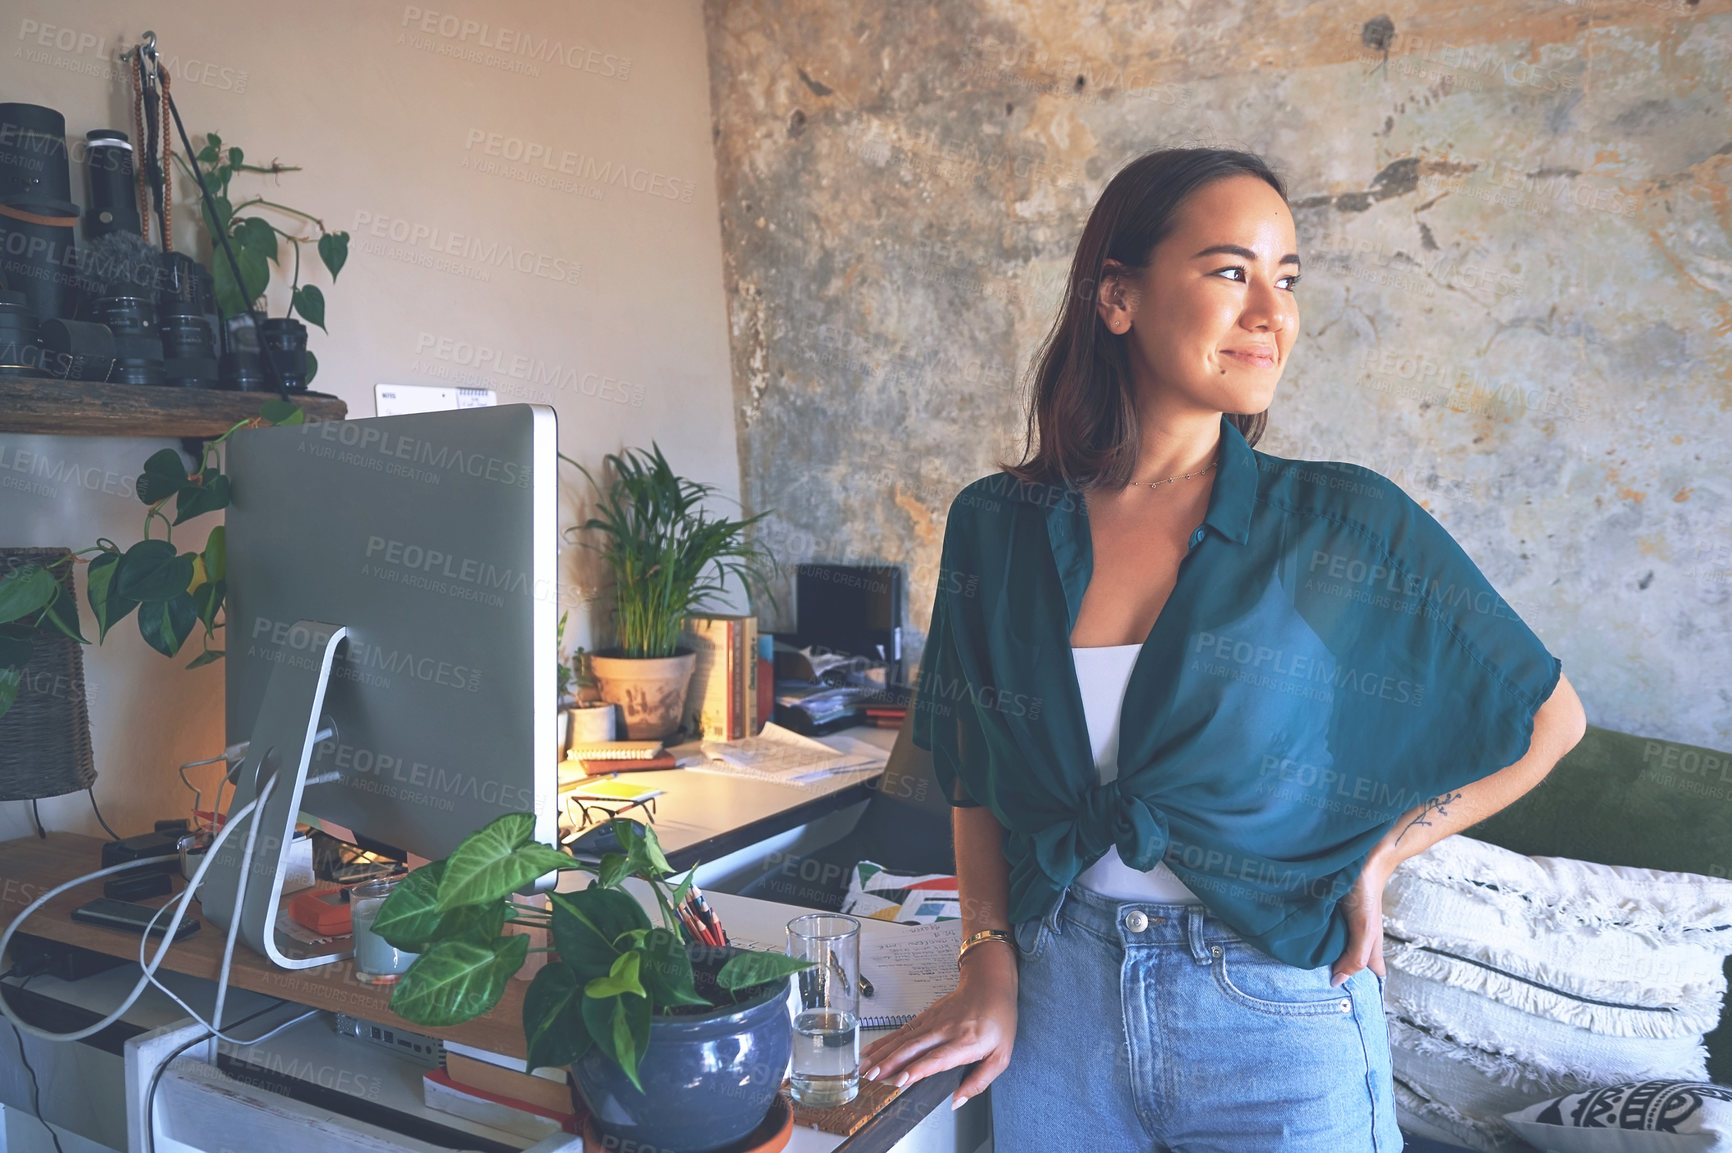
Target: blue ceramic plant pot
{"x":709,"y":1078}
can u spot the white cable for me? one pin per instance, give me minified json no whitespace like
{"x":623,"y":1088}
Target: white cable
{"x":168,"y":937}
{"x":229,"y":943}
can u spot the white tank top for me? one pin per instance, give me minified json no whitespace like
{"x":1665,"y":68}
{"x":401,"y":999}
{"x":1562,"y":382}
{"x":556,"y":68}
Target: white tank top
{"x":1102,"y":674}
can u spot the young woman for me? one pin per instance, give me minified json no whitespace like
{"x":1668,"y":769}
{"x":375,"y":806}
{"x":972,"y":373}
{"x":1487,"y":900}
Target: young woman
{"x":1192,"y":704}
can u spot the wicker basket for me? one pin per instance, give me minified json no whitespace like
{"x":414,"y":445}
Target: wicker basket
{"x":45,"y":736}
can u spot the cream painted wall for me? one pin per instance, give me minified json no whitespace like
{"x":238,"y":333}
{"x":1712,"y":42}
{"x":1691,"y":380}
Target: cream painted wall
{"x":467,"y":265}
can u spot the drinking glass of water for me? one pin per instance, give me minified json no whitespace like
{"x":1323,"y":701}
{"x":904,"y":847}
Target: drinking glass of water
{"x":826,"y":1033}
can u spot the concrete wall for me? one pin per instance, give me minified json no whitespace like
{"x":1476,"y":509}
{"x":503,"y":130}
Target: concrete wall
{"x":439,"y":137}
{"x":1517,"y":299}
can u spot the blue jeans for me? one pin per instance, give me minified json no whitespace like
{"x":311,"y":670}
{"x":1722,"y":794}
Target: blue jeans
{"x":1176,"y":1036}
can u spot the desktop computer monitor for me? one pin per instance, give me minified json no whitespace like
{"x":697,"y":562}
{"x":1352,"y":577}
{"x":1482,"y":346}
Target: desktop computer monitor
{"x":391,"y":633}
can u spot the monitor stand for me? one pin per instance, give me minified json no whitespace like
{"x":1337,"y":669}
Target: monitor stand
{"x":282,"y":743}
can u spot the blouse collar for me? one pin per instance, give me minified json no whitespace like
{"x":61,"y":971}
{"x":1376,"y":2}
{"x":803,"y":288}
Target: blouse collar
{"x":1231,"y":502}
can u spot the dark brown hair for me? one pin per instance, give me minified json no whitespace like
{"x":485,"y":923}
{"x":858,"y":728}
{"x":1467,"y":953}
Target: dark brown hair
{"x":1083,"y":403}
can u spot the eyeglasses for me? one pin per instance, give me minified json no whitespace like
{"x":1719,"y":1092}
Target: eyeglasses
{"x":593,"y":810}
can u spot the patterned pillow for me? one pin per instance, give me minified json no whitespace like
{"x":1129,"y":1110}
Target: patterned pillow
{"x":1635,"y":1117}
{"x":909,"y":899}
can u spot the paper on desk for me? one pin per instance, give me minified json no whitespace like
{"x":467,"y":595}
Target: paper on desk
{"x":782,"y":755}
{"x":909,"y":970}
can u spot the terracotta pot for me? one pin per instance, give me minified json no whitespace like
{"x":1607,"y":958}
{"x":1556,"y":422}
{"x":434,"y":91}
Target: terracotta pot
{"x":650,"y":691}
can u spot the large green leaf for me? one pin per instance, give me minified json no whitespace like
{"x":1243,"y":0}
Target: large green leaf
{"x":620,"y":1026}
{"x":62,"y":613}
{"x":258,"y":235}
{"x":667,"y":970}
{"x":409,"y":915}
{"x":224,"y":213}
{"x":642,"y":847}
{"x":744,"y":970}
{"x":216,"y":554}
{"x":280,"y":412}
{"x":207,"y":599}
{"x":196,"y":499}
{"x":621,"y":978}
{"x":165,"y":624}
{"x":27,"y":589}
{"x":312,"y":368}
{"x":310,"y":303}
{"x":552,"y":1019}
{"x":164,"y":475}
{"x":586,"y":924}
{"x":209,"y":656}
{"x":105,"y":599}
{"x":255,"y":274}
{"x":497,"y":859}
{"x":334,"y":251}
{"x":456,"y":981}
{"x":151,"y":571}
{"x":10,"y":679}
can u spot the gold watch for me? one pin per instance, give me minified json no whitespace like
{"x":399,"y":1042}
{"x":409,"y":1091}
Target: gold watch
{"x":976,"y":938}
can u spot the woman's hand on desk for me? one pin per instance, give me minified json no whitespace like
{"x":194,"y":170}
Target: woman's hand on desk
{"x":974,"y":1023}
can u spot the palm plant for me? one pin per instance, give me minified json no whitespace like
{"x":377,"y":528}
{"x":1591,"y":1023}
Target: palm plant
{"x":665,"y":553}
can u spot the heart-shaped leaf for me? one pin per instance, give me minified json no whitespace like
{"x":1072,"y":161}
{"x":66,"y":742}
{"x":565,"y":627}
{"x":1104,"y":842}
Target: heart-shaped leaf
{"x":258,"y":235}
{"x":197,"y":499}
{"x":334,"y":251}
{"x":27,"y":589}
{"x":105,"y":600}
{"x":312,"y":368}
{"x":620,"y":1026}
{"x":310,"y":303}
{"x":410,"y":914}
{"x":552,"y":1019}
{"x":614,"y":868}
{"x":456,"y":981}
{"x":164,"y":475}
{"x":750,"y":968}
{"x":482,"y":869}
{"x":207,"y":599}
{"x":666,"y":972}
{"x":207,"y":657}
{"x":151,"y":571}
{"x":216,"y":554}
{"x":588,"y":922}
{"x":621,"y":978}
{"x":165,"y":624}
{"x":281,"y":412}
{"x":62,"y":614}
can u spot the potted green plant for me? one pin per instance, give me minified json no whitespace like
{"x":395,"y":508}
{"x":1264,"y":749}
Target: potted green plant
{"x":667,"y":557}
{"x":675,"y":1045}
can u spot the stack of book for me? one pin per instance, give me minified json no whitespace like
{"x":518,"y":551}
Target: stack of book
{"x":494,"y":1090}
{"x":597,"y":758}
{"x":722,"y":702}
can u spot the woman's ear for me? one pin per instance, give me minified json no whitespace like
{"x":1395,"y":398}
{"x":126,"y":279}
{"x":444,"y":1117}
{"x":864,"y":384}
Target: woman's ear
{"x":1116,"y":299}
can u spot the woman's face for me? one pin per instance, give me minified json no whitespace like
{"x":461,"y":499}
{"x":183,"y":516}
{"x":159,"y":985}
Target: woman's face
{"x":1213,"y":317}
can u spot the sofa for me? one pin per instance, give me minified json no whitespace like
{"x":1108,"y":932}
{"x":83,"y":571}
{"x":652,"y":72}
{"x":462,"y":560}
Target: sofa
{"x":1617,"y":798}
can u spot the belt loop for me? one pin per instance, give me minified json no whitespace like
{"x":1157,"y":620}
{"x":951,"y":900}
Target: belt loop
{"x":1052,"y":917}
{"x":1194,"y":932}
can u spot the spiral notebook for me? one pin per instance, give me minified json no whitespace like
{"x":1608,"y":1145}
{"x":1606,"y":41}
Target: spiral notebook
{"x":910,"y":967}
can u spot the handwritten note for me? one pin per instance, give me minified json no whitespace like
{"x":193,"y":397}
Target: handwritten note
{"x":910,"y":967}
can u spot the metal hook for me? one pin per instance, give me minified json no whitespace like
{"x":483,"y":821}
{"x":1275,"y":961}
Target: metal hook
{"x":146,"y":47}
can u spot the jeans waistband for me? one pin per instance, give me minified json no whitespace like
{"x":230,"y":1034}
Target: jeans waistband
{"x":1178,"y":923}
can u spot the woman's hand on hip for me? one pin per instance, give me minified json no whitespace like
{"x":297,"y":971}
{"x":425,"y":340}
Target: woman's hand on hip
{"x":974,"y":1023}
{"x":1363,"y":906}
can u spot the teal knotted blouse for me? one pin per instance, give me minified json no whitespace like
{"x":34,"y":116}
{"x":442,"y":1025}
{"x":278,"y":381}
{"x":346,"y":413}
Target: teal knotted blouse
{"x":1328,"y":659}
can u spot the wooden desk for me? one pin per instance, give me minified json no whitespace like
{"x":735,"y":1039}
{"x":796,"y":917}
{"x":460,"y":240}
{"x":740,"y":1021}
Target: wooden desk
{"x":29,"y":867}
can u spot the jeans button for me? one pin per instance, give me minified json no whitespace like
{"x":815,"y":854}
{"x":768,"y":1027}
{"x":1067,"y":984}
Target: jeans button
{"x":1136,"y":920}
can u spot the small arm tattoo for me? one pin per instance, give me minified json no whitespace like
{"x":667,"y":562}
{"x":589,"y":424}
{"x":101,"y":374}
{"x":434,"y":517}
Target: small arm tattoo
{"x":1438,"y":805}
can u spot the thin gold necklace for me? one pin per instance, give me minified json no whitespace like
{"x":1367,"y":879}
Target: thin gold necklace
{"x":1171,"y":479}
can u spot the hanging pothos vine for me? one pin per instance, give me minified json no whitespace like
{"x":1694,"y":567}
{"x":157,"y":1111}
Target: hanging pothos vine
{"x":174,"y":592}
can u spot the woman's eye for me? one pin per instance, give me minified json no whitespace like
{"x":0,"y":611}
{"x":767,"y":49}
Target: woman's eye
{"x":1291,"y":279}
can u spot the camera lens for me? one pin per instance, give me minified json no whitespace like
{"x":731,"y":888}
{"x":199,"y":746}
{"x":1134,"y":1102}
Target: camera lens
{"x":20,"y":350}
{"x":33,"y":167}
{"x":286,"y":338}
{"x":113,"y":197}
{"x":137,"y":343}
{"x":188,"y":352}
{"x":243,"y":371}
{"x":77,"y":349}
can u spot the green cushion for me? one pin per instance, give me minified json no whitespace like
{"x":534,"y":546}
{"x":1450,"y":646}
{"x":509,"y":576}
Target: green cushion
{"x":1620,"y":799}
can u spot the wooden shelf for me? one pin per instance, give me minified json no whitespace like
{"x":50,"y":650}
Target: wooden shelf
{"x":85,"y":408}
